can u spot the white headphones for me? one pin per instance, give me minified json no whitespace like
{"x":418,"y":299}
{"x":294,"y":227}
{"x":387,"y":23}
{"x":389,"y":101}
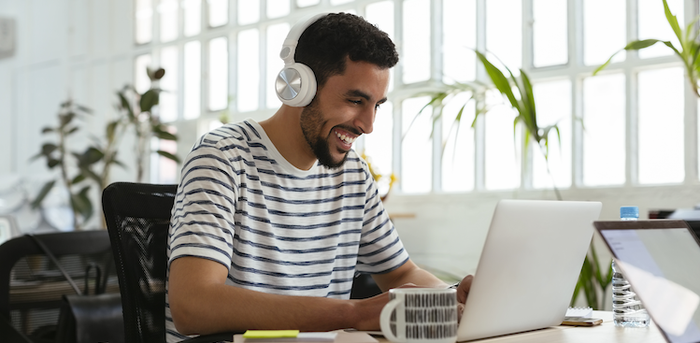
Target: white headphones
{"x":296,"y":83}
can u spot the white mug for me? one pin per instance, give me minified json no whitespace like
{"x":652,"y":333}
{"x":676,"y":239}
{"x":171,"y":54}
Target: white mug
{"x":420,"y":315}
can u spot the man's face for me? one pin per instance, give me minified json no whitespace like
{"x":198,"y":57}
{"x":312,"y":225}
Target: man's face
{"x":344,"y":109}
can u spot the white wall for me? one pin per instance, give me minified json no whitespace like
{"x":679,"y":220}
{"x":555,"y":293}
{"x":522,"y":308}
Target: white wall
{"x":448,"y":230}
{"x":77,"y":49}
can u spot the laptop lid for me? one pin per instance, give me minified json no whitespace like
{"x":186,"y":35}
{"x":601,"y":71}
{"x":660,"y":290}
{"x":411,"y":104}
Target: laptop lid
{"x":529,"y":266}
{"x":661,"y":261}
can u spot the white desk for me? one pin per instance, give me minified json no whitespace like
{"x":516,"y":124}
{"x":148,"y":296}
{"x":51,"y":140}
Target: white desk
{"x":606,"y":332}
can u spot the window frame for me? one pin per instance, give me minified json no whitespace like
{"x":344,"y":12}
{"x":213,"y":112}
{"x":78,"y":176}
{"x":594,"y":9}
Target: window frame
{"x":574,"y":71}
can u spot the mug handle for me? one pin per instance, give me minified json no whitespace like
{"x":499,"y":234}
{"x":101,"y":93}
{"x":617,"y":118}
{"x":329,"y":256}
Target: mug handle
{"x":385,"y":317}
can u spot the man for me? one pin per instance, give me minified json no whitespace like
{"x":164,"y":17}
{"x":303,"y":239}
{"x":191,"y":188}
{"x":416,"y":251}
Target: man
{"x":273,"y":219}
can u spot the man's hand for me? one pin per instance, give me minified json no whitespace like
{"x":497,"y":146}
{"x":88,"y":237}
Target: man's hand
{"x":462,"y":293}
{"x":463,"y":289}
{"x":368,"y":311}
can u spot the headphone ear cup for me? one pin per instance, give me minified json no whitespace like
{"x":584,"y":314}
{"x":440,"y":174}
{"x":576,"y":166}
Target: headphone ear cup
{"x":296,"y":85}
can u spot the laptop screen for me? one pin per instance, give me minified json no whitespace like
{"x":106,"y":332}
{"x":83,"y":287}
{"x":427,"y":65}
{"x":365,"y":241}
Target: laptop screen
{"x":661,"y":250}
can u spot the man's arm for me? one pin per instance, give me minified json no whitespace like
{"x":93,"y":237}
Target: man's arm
{"x":409,"y":274}
{"x":201,"y":303}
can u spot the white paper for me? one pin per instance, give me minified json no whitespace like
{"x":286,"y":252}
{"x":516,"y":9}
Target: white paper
{"x":671,"y":305}
{"x":317,"y":336}
{"x":583,"y":312}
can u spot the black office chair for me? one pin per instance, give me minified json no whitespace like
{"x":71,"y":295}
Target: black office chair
{"x":31,"y":286}
{"x":138,"y":217}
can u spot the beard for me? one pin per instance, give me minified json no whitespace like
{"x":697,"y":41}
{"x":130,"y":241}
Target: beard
{"x":312,"y":123}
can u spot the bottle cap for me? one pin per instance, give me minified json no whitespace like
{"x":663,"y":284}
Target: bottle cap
{"x":629,"y":212}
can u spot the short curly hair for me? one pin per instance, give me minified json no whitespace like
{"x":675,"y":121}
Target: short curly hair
{"x":326,"y":44}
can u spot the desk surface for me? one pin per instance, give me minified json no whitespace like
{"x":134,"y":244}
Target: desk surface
{"x":606,"y":332}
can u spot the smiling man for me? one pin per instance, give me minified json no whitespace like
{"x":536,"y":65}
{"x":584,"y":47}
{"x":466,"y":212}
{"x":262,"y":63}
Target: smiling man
{"x":272,"y":220}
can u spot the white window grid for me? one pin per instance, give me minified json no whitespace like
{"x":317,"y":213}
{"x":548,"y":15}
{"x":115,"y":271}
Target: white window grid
{"x":574,"y":70}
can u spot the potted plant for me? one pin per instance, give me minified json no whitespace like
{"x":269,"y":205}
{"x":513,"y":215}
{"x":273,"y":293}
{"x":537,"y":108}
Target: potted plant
{"x":520,"y":96}
{"x":136,"y":115}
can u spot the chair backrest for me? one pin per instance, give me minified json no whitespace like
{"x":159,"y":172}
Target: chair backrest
{"x":31,"y":287}
{"x":138,"y":217}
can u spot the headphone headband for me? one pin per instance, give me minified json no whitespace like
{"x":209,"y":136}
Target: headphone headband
{"x":290,"y":42}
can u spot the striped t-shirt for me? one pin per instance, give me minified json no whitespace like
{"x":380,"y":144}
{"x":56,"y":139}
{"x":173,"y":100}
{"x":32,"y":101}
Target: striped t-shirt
{"x":276,"y":228}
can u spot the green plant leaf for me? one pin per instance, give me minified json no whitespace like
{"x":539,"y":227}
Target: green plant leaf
{"x":90,"y":156}
{"x":81,"y":203}
{"x":66,"y":119}
{"x":149,"y":99}
{"x":119,"y":163}
{"x":596,"y":265}
{"x":52,"y":162}
{"x":42,"y":194}
{"x":88,"y":173}
{"x":530,"y":111}
{"x":72,"y":131}
{"x":48,"y":148}
{"x":670,"y":45}
{"x":588,"y":287}
{"x":499,"y":80}
{"x":163,"y":134}
{"x":78,"y":179}
{"x":47,"y":130}
{"x":168,"y":156}
{"x":641,"y":44}
{"x":84,"y":109}
{"x":436,"y":99}
{"x":125,"y":105}
{"x":577,"y":289}
{"x":673,"y":21}
{"x":602,"y":66}
{"x":111,"y":130}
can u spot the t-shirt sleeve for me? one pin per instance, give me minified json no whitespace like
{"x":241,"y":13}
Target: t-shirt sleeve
{"x":381,"y":250}
{"x":202,"y":223}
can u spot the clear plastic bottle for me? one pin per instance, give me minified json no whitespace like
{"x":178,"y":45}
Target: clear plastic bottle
{"x":627,"y":309}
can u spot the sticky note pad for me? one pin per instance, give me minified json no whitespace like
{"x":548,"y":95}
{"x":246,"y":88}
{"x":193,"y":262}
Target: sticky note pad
{"x":262,"y":334}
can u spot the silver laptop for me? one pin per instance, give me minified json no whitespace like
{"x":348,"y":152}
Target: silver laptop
{"x":661,"y":260}
{"x":529,"y":267}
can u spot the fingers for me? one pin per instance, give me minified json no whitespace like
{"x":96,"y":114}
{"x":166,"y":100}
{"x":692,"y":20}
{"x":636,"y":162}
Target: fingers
{"x":463,"y":289}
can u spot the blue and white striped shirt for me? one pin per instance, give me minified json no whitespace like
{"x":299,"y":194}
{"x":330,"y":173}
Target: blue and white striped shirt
{"x":276,"y":228}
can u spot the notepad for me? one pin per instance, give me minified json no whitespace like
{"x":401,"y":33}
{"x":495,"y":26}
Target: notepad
{"x":288,"y":336}
{"x":582,"y":312}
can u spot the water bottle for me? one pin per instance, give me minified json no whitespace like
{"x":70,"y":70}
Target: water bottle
{"x":627,"y":309}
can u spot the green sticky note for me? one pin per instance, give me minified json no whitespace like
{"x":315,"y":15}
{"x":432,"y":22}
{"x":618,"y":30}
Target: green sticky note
{"x":271,"y":334}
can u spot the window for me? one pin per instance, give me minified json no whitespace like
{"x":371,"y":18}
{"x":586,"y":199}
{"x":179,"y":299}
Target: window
{"x":614,"y":129}
{"x":553,"y":99}
{"x":660,"y":127}
{"x":416,"y":42}
{"x":248,"y":70}
{"x":193,"y":80}
{"x":218,"y":74}
{"x":416,"y":146}
{"x":604,"y":135}
{"x":549,"y":33}
{"x":603,"y":31}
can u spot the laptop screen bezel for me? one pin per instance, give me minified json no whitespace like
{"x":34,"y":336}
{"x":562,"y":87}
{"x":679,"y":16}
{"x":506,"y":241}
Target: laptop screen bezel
{"x":602,"y":225}
{"x":642,"y":225}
